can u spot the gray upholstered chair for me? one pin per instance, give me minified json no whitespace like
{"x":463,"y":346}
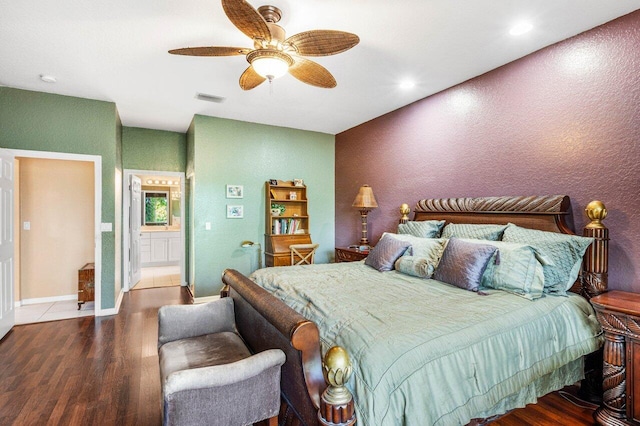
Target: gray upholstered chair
{"x":208,"y":375}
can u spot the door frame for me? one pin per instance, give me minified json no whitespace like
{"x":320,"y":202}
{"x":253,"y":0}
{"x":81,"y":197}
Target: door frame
{"x":97,"y":209}
{"x":126,"y":235}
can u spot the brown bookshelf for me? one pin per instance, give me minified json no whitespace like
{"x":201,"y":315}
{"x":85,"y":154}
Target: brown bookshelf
{"x":284,"y":228}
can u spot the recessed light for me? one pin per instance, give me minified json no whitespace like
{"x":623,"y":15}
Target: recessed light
{"x":47,"y":78}
{"x":521,"y":28}
{"x":407,"y":84}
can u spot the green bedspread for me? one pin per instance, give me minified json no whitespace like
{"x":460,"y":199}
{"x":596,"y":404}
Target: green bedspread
{"x":427,"y":353}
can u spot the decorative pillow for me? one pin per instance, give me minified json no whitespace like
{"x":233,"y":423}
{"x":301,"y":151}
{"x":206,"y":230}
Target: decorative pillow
{"x":423,"y":258}
{"x":478,"y":232}
{"x":420,"y":247}
{"x":384,"y":254}
{"x":515,"y":268}
{"x":423,"y":229}
{"x":564,"y":250}
{"x":420,"y":267}
{"x":463,"y":263}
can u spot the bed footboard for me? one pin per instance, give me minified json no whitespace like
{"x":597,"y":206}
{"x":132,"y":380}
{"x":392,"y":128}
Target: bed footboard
{"x":265,"y":322}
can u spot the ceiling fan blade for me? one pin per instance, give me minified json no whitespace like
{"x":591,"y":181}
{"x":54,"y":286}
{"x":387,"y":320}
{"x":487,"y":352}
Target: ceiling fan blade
{"x":322,"y":42}
{"x":247,"y":19}
{"x":312,"y":73}
{"x":250,"y":79}
{"x":210,"y":51}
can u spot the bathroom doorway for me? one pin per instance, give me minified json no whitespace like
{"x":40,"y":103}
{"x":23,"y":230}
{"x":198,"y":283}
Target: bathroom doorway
{"x":154,"y":229}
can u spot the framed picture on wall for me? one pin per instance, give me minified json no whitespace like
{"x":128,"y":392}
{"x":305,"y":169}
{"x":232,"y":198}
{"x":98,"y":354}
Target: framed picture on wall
{"x":235,"y":191}
{"x":235,"y":212}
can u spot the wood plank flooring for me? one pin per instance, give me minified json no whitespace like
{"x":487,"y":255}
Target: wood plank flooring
{"x":104,"y":371}
{"x":87,"y":371}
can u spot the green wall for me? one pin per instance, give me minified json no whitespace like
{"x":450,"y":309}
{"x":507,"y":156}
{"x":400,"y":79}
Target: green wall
{"x":234,"y":152}
{"x":160,"y":150}
{"x":146,"y":149}
{"x":54,"y":123}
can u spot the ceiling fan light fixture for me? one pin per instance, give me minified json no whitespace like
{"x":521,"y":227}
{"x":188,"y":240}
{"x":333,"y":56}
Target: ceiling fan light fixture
{"x":270,"y":63}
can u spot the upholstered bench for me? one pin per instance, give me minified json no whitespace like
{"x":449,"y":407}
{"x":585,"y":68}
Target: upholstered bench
{"x":207,"y":373}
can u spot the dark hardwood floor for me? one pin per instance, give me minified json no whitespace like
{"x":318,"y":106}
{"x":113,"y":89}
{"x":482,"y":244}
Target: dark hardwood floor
{"x":87,"y":371}
{"x":104,"y":371}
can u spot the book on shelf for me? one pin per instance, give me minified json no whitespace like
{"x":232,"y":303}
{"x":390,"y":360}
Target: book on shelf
{"x":286,"y":226}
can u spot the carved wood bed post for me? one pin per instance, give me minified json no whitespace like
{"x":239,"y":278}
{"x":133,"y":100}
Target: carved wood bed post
{"x":594,"y":279}
{"x":336,"y":403}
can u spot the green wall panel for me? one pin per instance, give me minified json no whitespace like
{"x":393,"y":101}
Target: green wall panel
{"x":146,"y":149}
{"x":234,"y":152}
{"x":53,"y":123}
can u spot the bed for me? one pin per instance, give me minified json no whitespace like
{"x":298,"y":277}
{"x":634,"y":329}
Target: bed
{"x":439,"y":360}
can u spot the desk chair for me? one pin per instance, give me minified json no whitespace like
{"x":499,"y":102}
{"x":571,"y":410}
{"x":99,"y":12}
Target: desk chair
{"x":302,"y":253}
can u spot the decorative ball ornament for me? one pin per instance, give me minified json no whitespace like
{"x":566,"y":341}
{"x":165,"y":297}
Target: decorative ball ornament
{"x":596,"y":212}
{"x":336,"y":368}
{"x":404,"y":211}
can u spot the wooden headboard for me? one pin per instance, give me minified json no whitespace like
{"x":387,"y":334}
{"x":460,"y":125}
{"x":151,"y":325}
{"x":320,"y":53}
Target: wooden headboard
{"x":546,"y":213}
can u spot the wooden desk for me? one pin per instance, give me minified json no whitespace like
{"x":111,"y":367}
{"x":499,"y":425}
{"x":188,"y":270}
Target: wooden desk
{"x":346,"y":254}
{"x":619,"y":314}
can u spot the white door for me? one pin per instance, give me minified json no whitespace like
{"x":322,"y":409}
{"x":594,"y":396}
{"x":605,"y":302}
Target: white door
{"x":135,"y":220}
{"x":7,"y":312}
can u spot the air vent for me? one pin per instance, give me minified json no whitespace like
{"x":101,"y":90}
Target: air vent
{"x":210,"y":98}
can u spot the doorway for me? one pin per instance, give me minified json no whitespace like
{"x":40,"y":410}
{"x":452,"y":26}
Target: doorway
{"x":153,"y":237}
{"x":57,"y":233}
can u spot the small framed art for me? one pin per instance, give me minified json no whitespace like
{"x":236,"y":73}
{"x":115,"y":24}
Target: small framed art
{"x":235,"y":191}
{"x":235,"y":212}
{"x":298,"y":182}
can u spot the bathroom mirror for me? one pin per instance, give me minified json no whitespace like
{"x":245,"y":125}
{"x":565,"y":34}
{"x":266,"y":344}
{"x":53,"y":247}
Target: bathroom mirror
{"x":156,"y":208}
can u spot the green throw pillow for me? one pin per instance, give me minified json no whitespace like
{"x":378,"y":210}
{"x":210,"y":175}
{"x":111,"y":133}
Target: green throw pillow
{"x":478,"y":232}
{"x":422,"y":257}
{"x":565,"y":252}
{"x":423,"y":229}
{"x":515,"y":268}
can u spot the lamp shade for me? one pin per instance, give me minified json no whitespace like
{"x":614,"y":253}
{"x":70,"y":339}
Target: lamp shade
{"x":365,"y":199}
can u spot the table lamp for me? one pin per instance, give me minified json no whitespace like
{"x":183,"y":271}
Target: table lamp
{"x":365,"y":202}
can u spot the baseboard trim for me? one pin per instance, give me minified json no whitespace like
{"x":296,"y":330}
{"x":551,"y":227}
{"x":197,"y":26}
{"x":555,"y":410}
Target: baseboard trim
{"x":205,"y":299}
{"x":51,"y":299}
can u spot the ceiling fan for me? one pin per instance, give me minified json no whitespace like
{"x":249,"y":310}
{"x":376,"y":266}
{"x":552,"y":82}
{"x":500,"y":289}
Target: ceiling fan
{"x":273,"y":54}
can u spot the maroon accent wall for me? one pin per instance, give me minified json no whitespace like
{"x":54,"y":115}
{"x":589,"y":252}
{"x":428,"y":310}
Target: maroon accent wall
{"x":563,"y":120}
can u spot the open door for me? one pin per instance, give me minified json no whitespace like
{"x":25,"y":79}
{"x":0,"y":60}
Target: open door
{"x":7,"y":312}
{"x":135,"y":221}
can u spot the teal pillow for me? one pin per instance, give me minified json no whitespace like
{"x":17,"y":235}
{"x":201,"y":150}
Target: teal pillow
{"x":423,"y":229}
{"x":515,"y":268}
{"x":478,"y":232}
{"x":565,"y":251}
{"x":422,"y":258}
{"x":463,"y":263}
{"x":420,"y":247}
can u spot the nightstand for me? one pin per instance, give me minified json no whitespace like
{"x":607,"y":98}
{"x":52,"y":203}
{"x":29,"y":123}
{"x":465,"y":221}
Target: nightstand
{"x":619,"y":314}
{"x":346,"y":254}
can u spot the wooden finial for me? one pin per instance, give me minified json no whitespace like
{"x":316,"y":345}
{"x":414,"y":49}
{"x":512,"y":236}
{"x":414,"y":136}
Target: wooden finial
{"x":336,"y":403}
{"x":404,"y":211}
{"x":596,"y":212}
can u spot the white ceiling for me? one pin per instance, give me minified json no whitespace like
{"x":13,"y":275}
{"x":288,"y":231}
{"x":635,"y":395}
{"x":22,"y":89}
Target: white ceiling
{"x":117,"y":51}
